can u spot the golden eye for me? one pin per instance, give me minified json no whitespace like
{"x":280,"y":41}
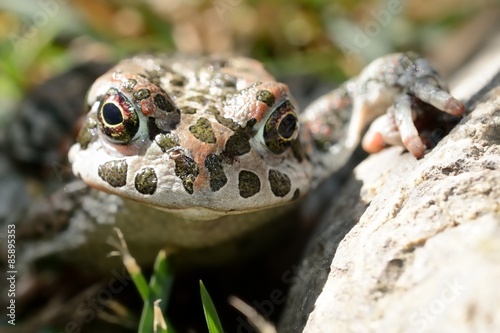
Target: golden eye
{"x":117,"y":118}
{"x":281,"y":128}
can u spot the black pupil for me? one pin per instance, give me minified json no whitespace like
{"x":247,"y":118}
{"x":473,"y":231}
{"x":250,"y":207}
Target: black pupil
{"x":112,"y":114}
{"x":287,"y":126}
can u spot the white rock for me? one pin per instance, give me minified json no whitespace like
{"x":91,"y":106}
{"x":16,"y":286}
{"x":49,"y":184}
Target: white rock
{"x":425,"y":254}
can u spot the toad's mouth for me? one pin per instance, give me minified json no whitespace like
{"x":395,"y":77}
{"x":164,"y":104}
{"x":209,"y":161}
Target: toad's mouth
{"x":164,"y":183}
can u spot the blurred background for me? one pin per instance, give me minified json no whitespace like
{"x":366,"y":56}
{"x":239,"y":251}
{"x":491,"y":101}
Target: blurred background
{"x":331,"y":40}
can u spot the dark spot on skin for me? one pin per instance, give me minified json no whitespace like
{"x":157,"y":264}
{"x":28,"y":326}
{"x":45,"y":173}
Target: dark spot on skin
{"x":237,"y":144}
{"x":84,"y":137}
{"x":129,"y":84}
{"x":250,"y":124}
{"x":203,"y":91}
{"x":178,"y":80}
{"x":321,"y":145}
{"x":114,"y":172}
{"x":145,"y":181}
{"x":167,"y":141}
{"x":407,"y":61}
{"x":188,"y":110}
{"x":223,"y":80}
{"x":162,"y":103}
{"x":141,"y":94}
{"x":248,"y":184}
{"x":176,"y":92}
{"x":229,"y":123}
{"x":203,"y":130}
{"x":87,"y":132}
{"x":211,"y":109}
{"x":154,"y":76}
{"x":266,"y":97}
{"x":280,"y":183}
{"x":296,"y":194}
{"x":218,"y":178}
{"x":153,"y":130}
{"x":186,"y":169}
{"x":198,"y":99}
{"x":174,"y":119}
{"x":165,"y":69}
{"x":216,"y":64}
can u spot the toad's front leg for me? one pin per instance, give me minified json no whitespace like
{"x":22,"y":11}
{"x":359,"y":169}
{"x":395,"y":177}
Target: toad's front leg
{"x":389,"y":94}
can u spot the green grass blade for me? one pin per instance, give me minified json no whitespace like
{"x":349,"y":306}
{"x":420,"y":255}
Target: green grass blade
{"x":213,"y":321}
{"x":138,"y":279}
{"x":160,"y":287}
{"x":130,"y":264}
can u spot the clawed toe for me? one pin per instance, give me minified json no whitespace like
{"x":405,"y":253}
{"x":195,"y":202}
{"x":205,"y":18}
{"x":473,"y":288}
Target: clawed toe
{"x":429,"y":91}
{"x":454,"y":107}
{"x":396,"y":127}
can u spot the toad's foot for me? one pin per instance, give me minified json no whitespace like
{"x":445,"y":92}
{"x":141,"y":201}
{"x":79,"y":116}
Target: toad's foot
{"x":397,"y":84}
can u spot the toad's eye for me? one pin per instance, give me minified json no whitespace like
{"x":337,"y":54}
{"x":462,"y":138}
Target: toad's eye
{"x":281,"y":128}
{"x":117,"y":118}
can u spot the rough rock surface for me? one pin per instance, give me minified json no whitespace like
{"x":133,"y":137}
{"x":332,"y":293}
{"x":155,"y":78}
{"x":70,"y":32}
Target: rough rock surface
{"x":425,"y":254}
